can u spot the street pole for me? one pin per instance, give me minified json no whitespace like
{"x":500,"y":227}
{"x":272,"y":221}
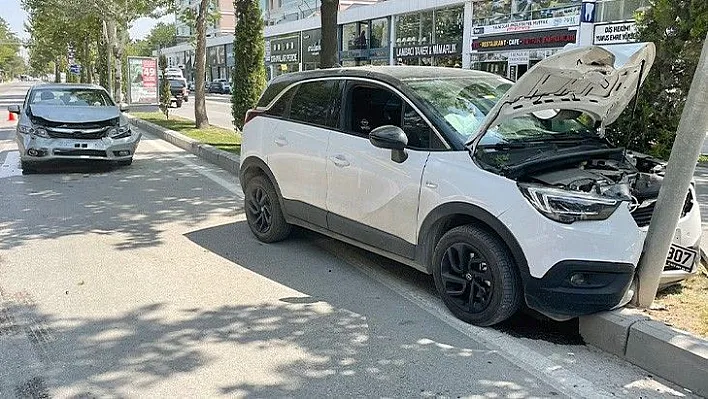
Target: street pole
{"x":679,"y":171}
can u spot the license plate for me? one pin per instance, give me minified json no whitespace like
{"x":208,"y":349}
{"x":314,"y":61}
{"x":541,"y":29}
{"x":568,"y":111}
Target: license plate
{"x":681,"y":258}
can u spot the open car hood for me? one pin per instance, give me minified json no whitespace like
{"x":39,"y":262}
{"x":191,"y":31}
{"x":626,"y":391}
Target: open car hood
{"x":585,"y":79}
{"x":74,"y":114}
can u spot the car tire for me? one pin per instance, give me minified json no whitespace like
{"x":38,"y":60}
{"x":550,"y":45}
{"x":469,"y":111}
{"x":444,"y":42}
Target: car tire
{"x":476,"y":276}
{"x":126,"y":162}
{"x":263,"y":213}
{"x":28,"y":168}
{"x":179,"y":104}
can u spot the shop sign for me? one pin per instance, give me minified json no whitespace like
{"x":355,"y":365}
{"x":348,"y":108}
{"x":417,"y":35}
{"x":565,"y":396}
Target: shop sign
{"x":524,"y":26}
{"x":311,"y":45}
{"x":623,"y":32}
{"x":285,"y":49}
{"x":518,"y":57}
{"x":528,"y":40}
{"x":428,"y":50}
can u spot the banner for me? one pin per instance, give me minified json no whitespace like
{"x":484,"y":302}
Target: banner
{"x":142,"y":75}
{"x":623,"y":32}
{"x":528,"y":40}
{"x":524,"y":26}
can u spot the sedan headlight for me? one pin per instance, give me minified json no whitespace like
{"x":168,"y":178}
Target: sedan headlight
{"x":568,"y":206}
{"x":119,"y":132}
{"x":34,"y":131}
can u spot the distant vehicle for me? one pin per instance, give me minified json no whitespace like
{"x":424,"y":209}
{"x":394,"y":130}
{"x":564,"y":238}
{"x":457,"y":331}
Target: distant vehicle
{"x":220,"y":86}
{"x":507,"y":193}
{"x":72,"y":122}
{"x":177,"y":90}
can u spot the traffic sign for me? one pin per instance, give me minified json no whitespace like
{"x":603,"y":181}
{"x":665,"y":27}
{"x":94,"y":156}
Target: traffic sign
{"x":75,"y":68}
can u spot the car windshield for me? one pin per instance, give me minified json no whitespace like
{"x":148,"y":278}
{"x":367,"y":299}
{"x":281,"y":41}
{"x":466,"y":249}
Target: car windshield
{"x":176,"y":83}
{"x":71,"y":97}
{"x":465,"y":102}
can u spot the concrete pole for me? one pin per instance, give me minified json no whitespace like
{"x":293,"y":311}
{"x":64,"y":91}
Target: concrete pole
{"x":679,"y":171}
{"x":586,"y":30}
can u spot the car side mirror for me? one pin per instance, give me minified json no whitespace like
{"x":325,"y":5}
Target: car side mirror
{"x":14,"y":109}
{"x":392,"y":138}
{"x":124,"y":107}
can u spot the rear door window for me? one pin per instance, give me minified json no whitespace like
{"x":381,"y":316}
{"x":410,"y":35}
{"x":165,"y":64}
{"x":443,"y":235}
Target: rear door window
{"x":317,"y":103}
{"x":280,"y":107}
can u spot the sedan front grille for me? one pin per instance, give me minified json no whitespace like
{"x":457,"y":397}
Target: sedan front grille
{"x":74,"y":153}
{"x":78,"y":134}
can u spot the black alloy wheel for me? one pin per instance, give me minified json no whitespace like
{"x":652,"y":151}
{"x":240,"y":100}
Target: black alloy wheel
{"x":260,"y":210}
{"x":467,"y":278}
{"x":263,"y":212}
{"x":476,"y":276}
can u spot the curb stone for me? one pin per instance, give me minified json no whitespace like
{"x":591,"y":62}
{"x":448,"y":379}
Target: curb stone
{"x":669,"y":353}
{"x":223,"y":159}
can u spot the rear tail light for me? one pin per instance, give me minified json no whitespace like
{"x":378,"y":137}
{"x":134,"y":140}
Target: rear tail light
{"x":252,"y":113}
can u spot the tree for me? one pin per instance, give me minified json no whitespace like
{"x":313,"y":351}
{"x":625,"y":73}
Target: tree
{"x":162,"y":35}
{"x":329,"y":57}
{"x":165,"y":94}
{"x":11,"y":64}
{"x":200,"y":113}
{"x":249,"y":77}
{"x":678,"y":29}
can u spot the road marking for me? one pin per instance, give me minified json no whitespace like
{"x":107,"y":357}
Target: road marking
{"x":11,"y":166}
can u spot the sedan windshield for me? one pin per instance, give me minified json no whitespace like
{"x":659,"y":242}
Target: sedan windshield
{"x":465,"y":102}
{"x":71,"y":97}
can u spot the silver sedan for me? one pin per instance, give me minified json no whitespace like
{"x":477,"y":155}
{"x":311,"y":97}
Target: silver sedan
{"x":72,"y":122}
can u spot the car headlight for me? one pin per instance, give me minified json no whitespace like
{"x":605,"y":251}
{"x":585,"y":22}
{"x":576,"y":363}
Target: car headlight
{"x":34,"y":131}
{"x":119,"y":132}
{"x":568,"y":206}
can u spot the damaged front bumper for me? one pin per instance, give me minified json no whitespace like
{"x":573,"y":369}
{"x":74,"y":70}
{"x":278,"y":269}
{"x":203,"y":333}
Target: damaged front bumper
{"x":41,"y":149}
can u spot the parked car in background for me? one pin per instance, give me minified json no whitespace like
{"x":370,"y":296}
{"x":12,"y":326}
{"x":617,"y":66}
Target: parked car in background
{"x":177,"y":90}
{"x":72,"y":122}
{"x":220,"y":86}
{"x":507,"y":193}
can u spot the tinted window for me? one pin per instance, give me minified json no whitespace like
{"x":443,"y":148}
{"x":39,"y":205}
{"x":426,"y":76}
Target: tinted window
{"x":371,"y":107}
{"x":281,"y":106}
{"x":317,"y":103}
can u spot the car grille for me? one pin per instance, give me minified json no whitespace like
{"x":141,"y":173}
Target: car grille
{"x":73,"y":153}
{"x":79,"y":134}
{"x":643,"y":215}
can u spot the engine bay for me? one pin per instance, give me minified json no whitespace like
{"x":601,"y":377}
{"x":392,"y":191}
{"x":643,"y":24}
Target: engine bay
{"x":634,"y":177}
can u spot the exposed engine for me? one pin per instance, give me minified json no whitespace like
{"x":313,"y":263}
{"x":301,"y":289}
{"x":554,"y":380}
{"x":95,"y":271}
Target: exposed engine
{"x":636,"y":178}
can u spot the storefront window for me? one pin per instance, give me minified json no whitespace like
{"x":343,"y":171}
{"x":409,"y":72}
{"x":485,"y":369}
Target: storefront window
{"x":501,"y":11}
{"x":449,"y":24}
{"x":350,"y":37}
{"x":379,"y":33}
{"x":430,"y":38}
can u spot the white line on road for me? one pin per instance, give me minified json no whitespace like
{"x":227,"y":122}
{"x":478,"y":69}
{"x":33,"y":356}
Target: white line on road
{"x":11,"y":166}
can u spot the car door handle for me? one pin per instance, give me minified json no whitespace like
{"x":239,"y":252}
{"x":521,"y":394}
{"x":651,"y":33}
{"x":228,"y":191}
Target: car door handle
{"x":340,"y":161}
{"x":281,"y":141}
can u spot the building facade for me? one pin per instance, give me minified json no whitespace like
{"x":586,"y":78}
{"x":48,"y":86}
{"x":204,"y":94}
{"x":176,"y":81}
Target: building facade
{"x":505,"y":37}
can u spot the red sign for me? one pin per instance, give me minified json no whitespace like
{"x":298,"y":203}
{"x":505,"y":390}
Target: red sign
{"x":528,"y":40}
{"x":149,"y":73}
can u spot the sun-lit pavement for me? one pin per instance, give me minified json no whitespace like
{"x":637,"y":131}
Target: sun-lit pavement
{"x":145,"y":281}
{"x":218,"y":110}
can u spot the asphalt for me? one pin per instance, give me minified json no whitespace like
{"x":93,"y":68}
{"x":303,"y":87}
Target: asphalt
{"x":146,"y":282}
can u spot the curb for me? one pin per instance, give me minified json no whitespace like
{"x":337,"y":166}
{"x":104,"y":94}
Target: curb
{"x":669,"y":353}
{"x":223,"y":159}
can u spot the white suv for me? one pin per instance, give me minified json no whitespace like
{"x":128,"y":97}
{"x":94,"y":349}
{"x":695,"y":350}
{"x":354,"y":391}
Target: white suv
{"x":506,"y":193}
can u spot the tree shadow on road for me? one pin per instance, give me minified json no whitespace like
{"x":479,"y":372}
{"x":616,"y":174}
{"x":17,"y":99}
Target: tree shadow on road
{"x":133,"y":203}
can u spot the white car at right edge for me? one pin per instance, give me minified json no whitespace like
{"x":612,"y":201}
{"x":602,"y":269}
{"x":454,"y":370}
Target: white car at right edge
{"x":507,"y":193}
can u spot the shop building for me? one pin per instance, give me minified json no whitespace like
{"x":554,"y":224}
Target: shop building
{"x":505,"y":37}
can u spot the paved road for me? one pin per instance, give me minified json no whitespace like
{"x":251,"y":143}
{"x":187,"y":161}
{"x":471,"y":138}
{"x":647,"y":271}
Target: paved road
{"x":218,"y":109}
{"x":145,"y":281}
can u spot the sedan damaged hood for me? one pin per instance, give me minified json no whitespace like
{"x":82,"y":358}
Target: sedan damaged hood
{"x":584,"y":79}
{"x":74,"y":114}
